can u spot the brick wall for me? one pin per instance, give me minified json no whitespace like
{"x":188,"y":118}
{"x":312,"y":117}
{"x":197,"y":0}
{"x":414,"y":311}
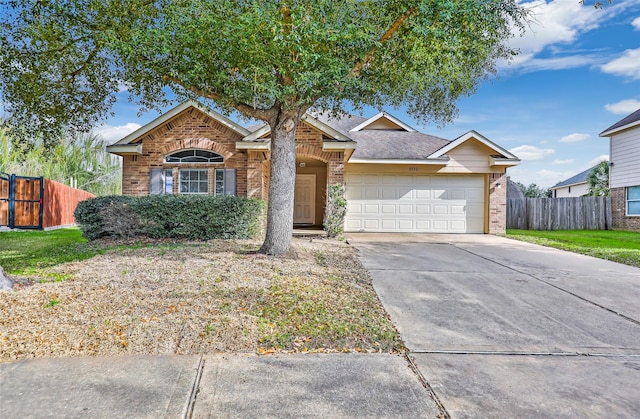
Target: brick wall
{"x":497,"y":203}
{"x":619,"y":209}
{"x":190,"y":129}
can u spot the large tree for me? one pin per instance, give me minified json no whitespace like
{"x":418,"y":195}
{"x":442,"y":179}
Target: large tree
{"x":63,"y":61}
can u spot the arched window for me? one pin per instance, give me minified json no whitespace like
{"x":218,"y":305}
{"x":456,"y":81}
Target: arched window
{"x":194,"y":156}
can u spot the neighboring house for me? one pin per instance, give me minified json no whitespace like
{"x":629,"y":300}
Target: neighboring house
{"x":396,"y":179}
{"x":574,"y":186}
{"x":624,"y":171}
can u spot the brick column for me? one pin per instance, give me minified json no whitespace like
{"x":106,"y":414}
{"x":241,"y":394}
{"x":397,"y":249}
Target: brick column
{"x":255,"y":175}
{"x":497,"y":203}
{"x":335,"y":168}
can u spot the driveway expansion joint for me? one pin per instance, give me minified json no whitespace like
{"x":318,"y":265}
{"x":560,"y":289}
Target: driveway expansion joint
{"x":195,"y":389}
{"x":443,"y":411}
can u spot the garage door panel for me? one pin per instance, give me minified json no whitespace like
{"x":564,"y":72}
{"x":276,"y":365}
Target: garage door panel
{"x":406,"y":209}
{"x":389,"y":209}
{"x":419,"y":203}
{"x":440,"y":209}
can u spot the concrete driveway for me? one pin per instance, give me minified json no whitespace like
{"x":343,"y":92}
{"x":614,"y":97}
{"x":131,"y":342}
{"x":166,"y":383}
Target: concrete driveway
{"x":501,"y":328}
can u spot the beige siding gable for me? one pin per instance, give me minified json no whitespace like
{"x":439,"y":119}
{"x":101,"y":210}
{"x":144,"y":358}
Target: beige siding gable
{"x":472,"y":156}
{"x":625,"y":156}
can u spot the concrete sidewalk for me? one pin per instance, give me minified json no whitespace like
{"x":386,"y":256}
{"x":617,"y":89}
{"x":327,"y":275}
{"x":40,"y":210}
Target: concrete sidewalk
{"x":221,"y":385}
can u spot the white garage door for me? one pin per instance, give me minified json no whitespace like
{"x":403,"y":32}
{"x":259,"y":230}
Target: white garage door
{"x":415,"y":203}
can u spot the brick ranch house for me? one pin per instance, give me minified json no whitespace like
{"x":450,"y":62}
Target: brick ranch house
{"x":396,"y":179}
{"x":624,"y":171}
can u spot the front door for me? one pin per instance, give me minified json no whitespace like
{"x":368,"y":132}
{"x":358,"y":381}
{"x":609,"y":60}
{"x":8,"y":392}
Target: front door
{"x":304,"y":211}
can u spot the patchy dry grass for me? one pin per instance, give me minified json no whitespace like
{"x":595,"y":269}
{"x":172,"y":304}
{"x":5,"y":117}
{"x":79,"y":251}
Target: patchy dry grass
{"x":198,"y":298}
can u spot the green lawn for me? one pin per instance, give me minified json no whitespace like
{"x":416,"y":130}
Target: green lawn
{"x":618,"y":246}
{"x":24,"y":252}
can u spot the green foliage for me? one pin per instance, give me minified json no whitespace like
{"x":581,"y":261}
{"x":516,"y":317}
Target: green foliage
{"x":534,"y":191}
{"x":24,"y":252}
{"x":82,"y":158}
{"x":64,"y":60}
{"x":194,"y":217}
{"x":335,"y":211}
{"x":618,"y":246}
{"x":598,"y":180}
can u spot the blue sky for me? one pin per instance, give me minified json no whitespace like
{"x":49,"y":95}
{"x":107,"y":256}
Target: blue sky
{"x":578,"y":73}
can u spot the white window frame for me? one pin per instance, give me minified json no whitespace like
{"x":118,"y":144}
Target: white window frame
{"x":190,"y":180}
{"x":195,"y":150}
{"x":627,"y":200}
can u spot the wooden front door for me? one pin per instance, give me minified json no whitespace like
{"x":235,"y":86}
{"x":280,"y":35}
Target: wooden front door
{"x":304,"y":211}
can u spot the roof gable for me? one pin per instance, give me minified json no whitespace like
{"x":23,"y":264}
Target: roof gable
{"x":382,"y":121}
{"x":575,"y":179}
{"x":324,"y":128}
{"x":168,"y":116}
{"x":627,"y":122}
{"x":478,"y":137}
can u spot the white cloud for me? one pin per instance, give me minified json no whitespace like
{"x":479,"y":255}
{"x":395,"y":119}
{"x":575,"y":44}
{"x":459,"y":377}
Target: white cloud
{"x":563,"y":162}
{"x":548,"y":178}
{"x":624,"y":107}
{"x":531,"y":152}
{"x":604,"y":157}
{"x":636,"y":23}
{"x":574,"y":138}
{"x":627,"y":65}
{"x":553,"y":23}
{"x":112,"y":134}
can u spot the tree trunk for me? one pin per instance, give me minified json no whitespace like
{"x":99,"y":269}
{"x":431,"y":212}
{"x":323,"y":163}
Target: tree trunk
{"x":281,"y":184}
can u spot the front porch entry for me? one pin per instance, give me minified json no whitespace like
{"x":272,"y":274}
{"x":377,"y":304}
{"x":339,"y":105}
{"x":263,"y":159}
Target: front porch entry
{"x":309,"y":193}
{"x":304,"y":210}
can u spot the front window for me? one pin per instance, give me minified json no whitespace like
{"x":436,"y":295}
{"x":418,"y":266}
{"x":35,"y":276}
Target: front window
{"x":194,"y":181}
{"x":194,"y":156}
{"x":633,"y":200}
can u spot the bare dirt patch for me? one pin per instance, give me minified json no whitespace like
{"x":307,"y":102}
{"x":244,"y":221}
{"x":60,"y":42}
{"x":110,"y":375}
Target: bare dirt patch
{"x":218,"y":296}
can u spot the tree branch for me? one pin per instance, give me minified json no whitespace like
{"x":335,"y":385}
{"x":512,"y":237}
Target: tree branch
{"x":357,"y":69}
{"x":262,"y":114}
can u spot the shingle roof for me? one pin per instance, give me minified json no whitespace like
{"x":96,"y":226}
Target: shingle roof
{"x":385,"y":144}
{"x":630,"y":119}
{"x":579,"y":178}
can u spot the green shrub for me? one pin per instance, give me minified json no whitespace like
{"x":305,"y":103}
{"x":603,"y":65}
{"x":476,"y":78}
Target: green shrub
{"x":195,"y":217}
{"x":89,"y":214}
{"x":335,"y":211}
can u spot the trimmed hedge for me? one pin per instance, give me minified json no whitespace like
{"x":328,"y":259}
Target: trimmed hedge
{"x":194,"y":217}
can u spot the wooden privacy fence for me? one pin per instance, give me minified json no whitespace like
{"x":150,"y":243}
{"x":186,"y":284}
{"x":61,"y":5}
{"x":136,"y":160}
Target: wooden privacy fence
{"x":35,"y":202}
{"x":582,"y":213}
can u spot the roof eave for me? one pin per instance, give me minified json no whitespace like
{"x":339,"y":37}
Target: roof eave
{"x":610,"y":132}
{"x":499,"y":161}
{"x":253,"y":145}
{"x":338,"y":145}
{"x":437,"y":162}
{"x":125,"y":149}
{"x":566,"y":186}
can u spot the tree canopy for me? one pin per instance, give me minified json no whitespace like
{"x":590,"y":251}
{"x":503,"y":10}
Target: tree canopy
{"x":63,"y":61}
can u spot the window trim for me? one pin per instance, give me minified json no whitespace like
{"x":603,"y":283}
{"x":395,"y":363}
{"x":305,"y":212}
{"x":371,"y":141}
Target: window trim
{"x":164,"y":160}
{"x":191,"y":169}
{"x":627,"y":200}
